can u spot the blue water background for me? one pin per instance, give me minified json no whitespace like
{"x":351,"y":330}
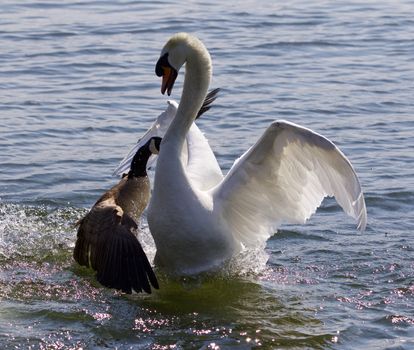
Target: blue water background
{"x":77,"y":88}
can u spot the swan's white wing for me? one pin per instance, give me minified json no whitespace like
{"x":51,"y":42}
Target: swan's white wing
{"x":284,"y":178}
{"x":158,"y":128}
{"x":201,"y":167}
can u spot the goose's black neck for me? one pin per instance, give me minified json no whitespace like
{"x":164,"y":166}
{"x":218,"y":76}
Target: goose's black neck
{"x":140,"y":160}
{"x":139,"y":163}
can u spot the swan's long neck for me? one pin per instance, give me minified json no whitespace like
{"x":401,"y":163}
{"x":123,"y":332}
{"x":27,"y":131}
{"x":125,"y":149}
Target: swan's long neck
{"x":196,"y":82}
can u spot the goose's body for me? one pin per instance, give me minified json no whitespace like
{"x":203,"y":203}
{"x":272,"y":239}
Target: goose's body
{"x":282,"y":178}
{"x":107,"y":239}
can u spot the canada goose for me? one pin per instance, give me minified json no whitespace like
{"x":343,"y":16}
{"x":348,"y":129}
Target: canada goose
{"x":283,"y":178}
{"x":106,"y":239}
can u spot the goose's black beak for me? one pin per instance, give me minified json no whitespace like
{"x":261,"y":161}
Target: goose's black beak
{"x":167,"y":72}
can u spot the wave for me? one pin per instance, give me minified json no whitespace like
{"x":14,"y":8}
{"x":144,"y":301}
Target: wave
{"x":35,"y":232}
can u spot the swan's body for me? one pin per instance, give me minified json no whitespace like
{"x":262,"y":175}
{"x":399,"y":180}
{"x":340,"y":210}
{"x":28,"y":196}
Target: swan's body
{"x":282,"y":178}
{"x":106,"y":239}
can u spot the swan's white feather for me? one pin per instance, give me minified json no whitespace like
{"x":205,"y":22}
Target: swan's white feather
{"x":283,"y":178}
{"x":202,"y":167}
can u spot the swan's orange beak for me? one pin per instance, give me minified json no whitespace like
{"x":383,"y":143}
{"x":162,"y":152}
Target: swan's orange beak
{"x":164,"y":69}
{"x":168,"y":79}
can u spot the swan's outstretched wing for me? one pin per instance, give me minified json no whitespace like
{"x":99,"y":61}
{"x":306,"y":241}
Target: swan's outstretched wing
{"x":284,"y":178}
{"x":106,"y":243}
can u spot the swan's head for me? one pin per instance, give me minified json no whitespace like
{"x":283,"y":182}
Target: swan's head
{"x":176,"y":52}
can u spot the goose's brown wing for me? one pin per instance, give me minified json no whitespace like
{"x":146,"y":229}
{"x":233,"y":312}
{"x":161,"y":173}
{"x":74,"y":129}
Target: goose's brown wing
{"x":106,"y":242}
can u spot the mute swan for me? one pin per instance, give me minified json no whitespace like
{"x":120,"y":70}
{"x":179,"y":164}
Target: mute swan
{"x":283,"y":178}
{"x":107,"y":239}
{"x":196,"y":147}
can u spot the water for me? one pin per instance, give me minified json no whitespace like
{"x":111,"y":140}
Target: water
{"x":77,"y":88}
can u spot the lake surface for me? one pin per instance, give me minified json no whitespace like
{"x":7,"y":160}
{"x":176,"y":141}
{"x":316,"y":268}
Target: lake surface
{"x":78,"y":88}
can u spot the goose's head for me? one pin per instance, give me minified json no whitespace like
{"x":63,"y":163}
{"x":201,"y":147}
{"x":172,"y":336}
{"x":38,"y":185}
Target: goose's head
{"x":179,"y":49}
{"x":153,"y":144}
{"x":139,"y":162}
